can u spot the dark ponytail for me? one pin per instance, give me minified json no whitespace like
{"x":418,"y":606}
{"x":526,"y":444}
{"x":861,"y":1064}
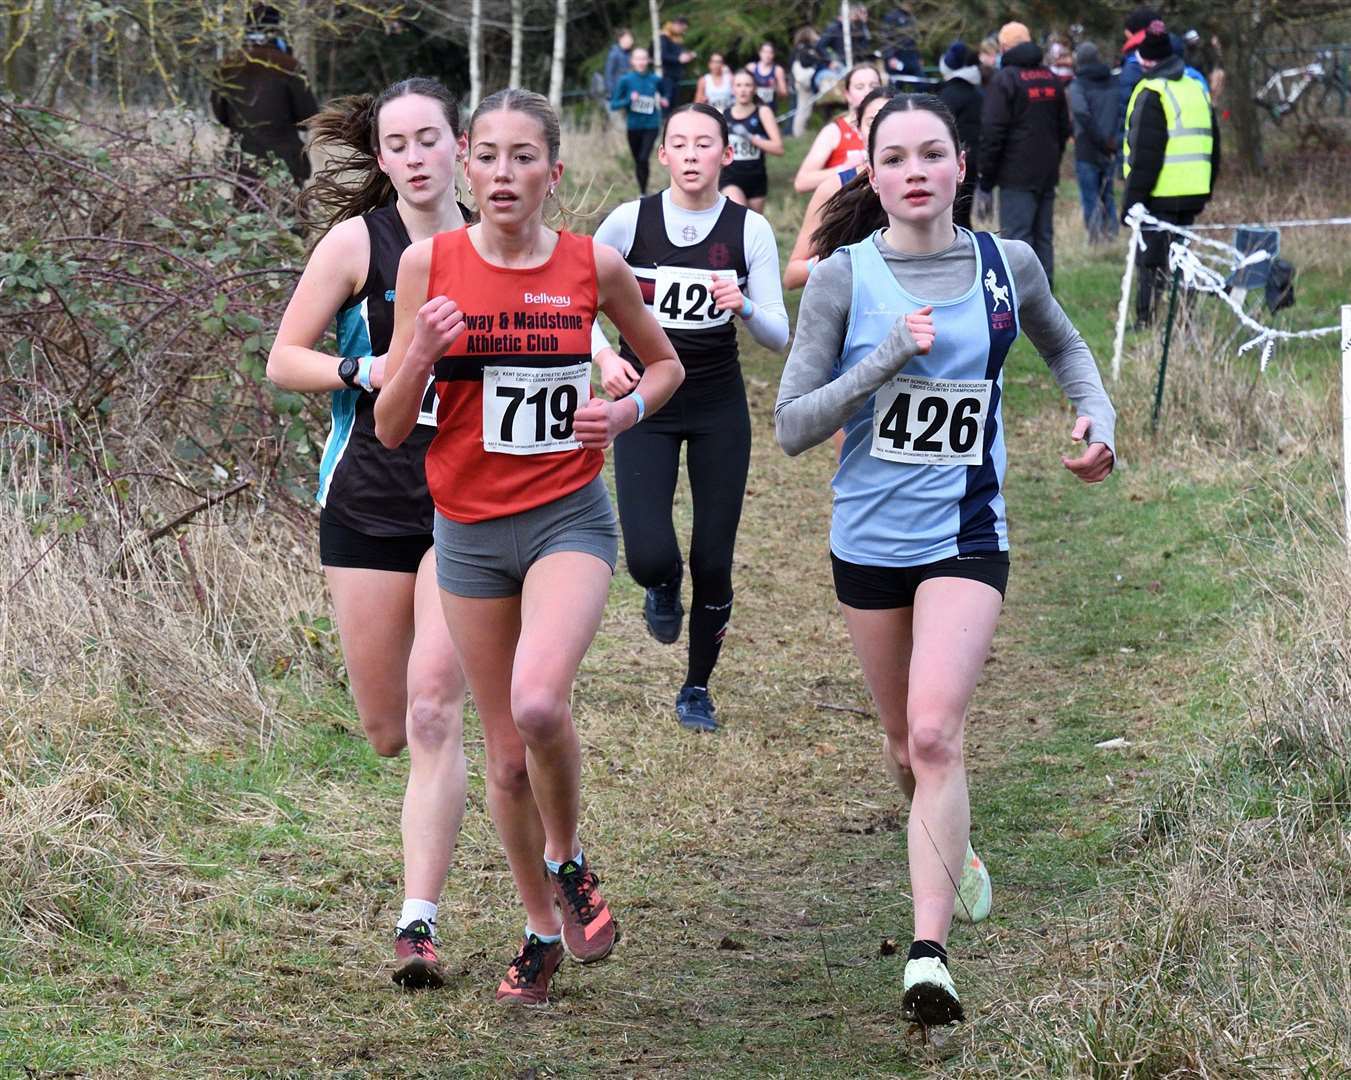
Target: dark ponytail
{"x":703,"y":109}
{"x":855,"y":212}
{"x":351,"y":183}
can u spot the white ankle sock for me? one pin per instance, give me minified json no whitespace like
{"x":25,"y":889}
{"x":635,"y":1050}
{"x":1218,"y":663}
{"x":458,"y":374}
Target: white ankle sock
{"x":548,"y":939}
{"x":417,"y":909}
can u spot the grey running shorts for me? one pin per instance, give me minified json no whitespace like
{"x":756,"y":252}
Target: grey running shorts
{"x":490,"y":558}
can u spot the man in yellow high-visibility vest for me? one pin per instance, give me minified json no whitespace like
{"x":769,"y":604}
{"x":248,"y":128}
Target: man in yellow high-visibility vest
{"x":1171,"y":155}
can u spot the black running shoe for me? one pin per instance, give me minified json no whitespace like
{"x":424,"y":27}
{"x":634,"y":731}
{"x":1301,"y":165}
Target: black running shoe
{"x":694,"y":709}
{"x":664,"y":612}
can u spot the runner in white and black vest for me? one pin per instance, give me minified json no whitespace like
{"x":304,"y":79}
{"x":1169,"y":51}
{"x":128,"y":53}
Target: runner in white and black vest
{"x":701,"y":262}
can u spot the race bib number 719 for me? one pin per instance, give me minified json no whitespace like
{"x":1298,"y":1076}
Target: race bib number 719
{"x":931,"y":421}
{"x":529,"y":410}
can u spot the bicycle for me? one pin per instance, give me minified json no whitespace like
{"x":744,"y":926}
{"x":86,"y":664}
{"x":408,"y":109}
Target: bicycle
{"x":1315,"y":89}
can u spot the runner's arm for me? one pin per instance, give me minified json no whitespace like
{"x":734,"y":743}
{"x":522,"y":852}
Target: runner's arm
{"x":812,"y":403}
{"x":768,"y":322}
{"x":616,"y":231}
{"x":423,"y":329}
{"x":336,"y":271}
{"x":772,"y":143}
{"x":1052,"y":334}
{"x":799,"y":267}
{"x":623,"y":303}
{"x":813,"y":168}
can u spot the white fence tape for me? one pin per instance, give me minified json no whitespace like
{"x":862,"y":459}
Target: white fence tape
{"x":1198,"y":276}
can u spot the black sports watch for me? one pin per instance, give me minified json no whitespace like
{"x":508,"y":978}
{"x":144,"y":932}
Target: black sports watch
{"x":348,"y":368}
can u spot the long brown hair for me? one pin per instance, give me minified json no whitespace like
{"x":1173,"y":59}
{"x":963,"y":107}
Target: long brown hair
{"x":855,"y":212}
{"x":351,"y":184}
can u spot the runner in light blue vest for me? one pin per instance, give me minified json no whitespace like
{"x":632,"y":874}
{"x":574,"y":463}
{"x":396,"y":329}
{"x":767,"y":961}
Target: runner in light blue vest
{"x":921,"y":474}
{"x":901,"y":340}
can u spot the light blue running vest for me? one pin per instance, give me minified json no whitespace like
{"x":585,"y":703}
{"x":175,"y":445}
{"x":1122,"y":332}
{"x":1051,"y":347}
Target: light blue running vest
{"x":921,"y":475}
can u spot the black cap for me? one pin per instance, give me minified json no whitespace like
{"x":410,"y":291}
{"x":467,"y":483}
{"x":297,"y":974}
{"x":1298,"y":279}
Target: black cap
{"x":1157,"y":45}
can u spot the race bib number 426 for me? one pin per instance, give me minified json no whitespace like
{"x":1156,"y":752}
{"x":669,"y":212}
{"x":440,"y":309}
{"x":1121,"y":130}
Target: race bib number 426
{"x":931,"y":421}
{"x":528,"y":410}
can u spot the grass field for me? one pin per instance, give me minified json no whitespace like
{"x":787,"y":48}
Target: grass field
{"x":201,"y":854}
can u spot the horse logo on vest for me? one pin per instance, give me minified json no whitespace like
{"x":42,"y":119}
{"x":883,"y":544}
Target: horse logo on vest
{"x":998,"y":293}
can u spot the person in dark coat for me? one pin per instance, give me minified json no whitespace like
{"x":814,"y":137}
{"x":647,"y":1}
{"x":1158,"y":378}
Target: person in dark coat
{"x":674,"y":57}
{"x":262,"y":96}
{"x":961,"y":93}
{"x":617,"y":60}
{"x":1093,"y":105}
{"x":1025,"y":124}
{"x":861,"y":41}
{"x":1136,"y":24}
{"x":1171,"y":169}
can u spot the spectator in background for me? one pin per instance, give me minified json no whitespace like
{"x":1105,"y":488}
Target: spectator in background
{"x":262,"y":96}
{"x":989,"y":60}
{"x":1171,"y":156}
{"x":1059,"y":60}
{"x":812,"y":75}
{"x":961,"y":93}
{"x":617,"y":60}
{"x":674,"y":57}
{"x":901,"y":59}
{"x":832,"y":41}
{"x":715,"y":85}
{"x":1136,"y":24}
{"x":1024,"y":127}
{"x":1093,"y":103}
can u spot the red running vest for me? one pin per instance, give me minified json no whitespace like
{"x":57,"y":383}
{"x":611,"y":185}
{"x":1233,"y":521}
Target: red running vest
{"x":850,"y":139}
{"x":508,"y":386}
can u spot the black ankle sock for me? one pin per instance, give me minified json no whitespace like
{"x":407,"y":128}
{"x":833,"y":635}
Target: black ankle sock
{"x":708,"y":626}
{"x":921,"y":949}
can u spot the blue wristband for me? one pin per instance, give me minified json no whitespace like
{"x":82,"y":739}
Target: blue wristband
{"x":642,"y":405}
{"x":747,"y":308}
{"x":364,"y":366}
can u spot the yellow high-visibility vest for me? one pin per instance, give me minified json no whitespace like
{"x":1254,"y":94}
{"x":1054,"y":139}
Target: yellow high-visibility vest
{"x":1187,"y":157}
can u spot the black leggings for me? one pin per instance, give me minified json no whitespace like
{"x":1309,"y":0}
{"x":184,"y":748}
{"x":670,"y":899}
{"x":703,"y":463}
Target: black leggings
{"x":641,"y":141}
{"x":714,"y":423}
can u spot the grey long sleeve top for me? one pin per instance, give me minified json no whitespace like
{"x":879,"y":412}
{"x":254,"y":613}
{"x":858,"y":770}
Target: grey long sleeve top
{"x":812,"y":405}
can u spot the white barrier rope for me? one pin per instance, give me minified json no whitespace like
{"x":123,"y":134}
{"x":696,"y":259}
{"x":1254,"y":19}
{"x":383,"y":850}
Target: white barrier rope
{"x":1196,"y":275}
{"x":1301,"y":223}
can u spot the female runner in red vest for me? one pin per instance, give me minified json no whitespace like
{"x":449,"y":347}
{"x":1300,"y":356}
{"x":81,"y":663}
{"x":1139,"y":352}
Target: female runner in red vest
{"x":526,"y":541}
{"x":838,"y":143}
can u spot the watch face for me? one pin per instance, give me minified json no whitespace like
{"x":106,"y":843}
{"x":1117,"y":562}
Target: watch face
{"x":347,"y":370}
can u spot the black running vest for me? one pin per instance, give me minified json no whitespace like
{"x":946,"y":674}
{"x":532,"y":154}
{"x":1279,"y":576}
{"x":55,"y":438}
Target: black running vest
{"x":362,"y":485}
{"x":676,"y":281}
{"x":746,"y":156}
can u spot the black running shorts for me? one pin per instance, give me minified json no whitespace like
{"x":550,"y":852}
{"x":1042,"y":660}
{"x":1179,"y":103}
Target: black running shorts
{"x":879,"y":588}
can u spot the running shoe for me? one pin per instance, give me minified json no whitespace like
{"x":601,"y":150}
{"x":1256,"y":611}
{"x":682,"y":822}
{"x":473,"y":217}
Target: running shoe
{"x":973,"y":890}
{"x":664,"y":612}
{"x":415,"y":963}
{"x":694,"y":709}
{"x":930,"y":998}
{"x":527,"y":979}
{"x":589,"y":932}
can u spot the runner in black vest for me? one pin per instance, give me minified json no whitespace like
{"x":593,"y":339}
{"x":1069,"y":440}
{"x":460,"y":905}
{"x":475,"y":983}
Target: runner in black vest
{"x":701,"y":261}
{"x":753,"y":132}
{"x":376,"y":521}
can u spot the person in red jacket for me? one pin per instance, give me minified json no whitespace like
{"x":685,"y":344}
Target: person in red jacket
{"x":1025,"y":123}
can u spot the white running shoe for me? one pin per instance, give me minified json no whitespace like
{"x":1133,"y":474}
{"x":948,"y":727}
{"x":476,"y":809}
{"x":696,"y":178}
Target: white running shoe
{"x":973,"y":890}
{"x":930,"y":998}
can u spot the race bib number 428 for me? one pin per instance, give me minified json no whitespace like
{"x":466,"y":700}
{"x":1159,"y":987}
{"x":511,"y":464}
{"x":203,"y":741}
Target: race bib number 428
{"x":683,"y":299}
{"x":931,"y":421}
{"x":528,"y":410}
